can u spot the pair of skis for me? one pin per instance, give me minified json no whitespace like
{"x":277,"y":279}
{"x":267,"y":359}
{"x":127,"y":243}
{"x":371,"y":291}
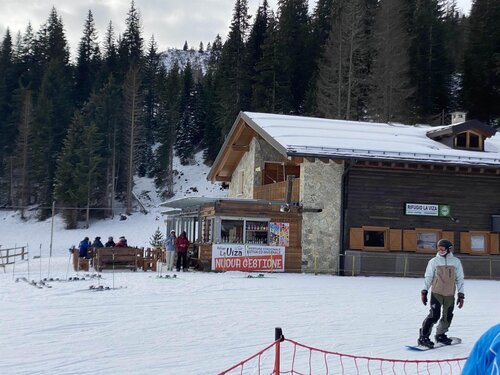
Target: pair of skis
{"x":37,"y":284}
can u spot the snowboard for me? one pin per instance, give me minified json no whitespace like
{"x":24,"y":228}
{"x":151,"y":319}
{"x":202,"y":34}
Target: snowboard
{"x":455,"y":341}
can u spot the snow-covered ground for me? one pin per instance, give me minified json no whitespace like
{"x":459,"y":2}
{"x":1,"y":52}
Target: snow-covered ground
{"x":189,"y":180}
{"x":200,"y":323}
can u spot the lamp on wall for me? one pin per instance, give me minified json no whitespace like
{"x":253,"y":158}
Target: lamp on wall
{"x":454,"y":219}
{"x":285,"y":208}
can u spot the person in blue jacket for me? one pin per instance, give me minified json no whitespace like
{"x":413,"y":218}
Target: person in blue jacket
{"x":484,"y":359}
{"x":84,"y":247}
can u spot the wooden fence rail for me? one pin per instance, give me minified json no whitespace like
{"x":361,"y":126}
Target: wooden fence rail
{"x":10,"y":255}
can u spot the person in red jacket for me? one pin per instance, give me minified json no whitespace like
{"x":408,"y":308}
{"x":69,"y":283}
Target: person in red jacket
{"x":181,"y":247}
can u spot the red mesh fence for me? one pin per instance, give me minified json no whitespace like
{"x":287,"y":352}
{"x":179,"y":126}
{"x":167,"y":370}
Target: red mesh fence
{"x":299,"y":359}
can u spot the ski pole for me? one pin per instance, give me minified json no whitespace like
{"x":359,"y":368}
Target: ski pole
{"x":40,"y":262}
{"x":113,"y":252}
{"x":48,"y":271}
{"x":67,"y":268}
{"x":28,"y":267}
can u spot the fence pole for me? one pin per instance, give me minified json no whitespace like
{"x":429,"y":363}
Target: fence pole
{"x":353,"y":261}
{"x":406,"y":266}
{"x":278,"y":337}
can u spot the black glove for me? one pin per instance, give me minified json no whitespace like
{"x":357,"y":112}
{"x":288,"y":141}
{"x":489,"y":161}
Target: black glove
{"x":460,"y":300}
{"x":423,"y":296}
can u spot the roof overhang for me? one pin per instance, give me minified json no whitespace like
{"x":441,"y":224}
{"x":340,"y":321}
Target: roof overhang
{"x":451,"y":130}
{"x":237,"y":143}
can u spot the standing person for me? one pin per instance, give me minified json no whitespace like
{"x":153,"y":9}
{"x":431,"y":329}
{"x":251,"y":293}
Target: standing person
{"x":444,"y":273}
{"x":110,"y":242}
{"x":170,"y":250}
{"x":122,"y":242}
{"x":181,"y":246}
{"x":84,"y":247}
{"x":97,"y":242}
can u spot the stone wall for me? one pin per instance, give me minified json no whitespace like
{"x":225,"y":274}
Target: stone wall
{"x":321,"y":187}
{"x":250,"y":169}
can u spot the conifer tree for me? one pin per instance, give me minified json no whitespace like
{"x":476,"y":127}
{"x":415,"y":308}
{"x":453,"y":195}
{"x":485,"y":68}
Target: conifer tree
{"x":430,"y":66}
{"x":134,"y":136}
{"x":391,"y":86}
{"x":104,"y":109}
{"x":7,"y":86}
{"x":22,"y":156}
{"x":132,"y":43}
{"x":233,"y":81}
{"x":482,"y":63}
{"x":295,"y":53}
{"x":169,"y":112}
{"x":268,"y":91}
{"x":88,"y":61}
{"x":212,"y":133}
{"x":156,"y":240}
{"x":256,"y":41}
{"x":109,"y":57}
{"x":186,"y":129}
{"x":342,"y":66}
{"x":77,"y":167}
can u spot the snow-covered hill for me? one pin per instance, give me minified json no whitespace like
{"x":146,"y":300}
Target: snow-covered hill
{"x":198,"y":60}
{"x":138,"y":228}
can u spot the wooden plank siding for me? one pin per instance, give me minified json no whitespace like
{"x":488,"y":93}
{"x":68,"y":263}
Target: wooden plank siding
{"x":377,"y":197}
{"x":277,"y":191}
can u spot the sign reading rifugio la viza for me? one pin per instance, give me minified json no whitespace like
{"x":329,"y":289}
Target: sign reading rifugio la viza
{"x":421,"y":209}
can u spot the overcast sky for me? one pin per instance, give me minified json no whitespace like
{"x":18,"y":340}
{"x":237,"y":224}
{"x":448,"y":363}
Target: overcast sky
{"x":171,"y":21}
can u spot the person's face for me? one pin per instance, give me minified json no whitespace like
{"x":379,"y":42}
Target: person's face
{"x":442,"y":250}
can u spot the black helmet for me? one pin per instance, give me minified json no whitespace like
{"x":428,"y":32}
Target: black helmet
{"x":445,"y":243}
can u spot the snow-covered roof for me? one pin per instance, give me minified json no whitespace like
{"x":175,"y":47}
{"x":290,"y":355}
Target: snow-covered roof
{"x":309,"y":136}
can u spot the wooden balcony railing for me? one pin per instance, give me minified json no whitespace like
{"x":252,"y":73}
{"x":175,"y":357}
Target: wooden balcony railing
{"x":277,"y":191}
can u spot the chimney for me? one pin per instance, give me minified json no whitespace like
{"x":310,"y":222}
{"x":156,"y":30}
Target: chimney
{"x":457,"y":117}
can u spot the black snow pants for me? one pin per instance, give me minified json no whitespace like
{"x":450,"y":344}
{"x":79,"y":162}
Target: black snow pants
{"x":438,"y":301}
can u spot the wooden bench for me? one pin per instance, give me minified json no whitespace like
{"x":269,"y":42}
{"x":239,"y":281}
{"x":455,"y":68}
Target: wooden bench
{"x":80,"y":264}
{"x":151,"y":257}
{"x":117,"y":258}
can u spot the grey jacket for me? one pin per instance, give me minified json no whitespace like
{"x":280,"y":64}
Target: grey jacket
{"x":444,"y":274}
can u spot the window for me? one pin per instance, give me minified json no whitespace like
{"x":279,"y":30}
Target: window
{"x":374,"y":238}
{"x":231,"y":231}
{"x":427,"y":239}
{"x":469,"y":140}
{"x":478,"y":243}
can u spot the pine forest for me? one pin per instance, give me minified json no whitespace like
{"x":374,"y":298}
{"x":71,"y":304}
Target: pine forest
{"x":77,"y":132}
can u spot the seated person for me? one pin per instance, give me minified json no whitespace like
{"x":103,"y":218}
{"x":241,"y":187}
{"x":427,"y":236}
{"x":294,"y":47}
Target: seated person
{"x":97,"y":242}
{"x":122,"y":242}
{"x":110,"y":242}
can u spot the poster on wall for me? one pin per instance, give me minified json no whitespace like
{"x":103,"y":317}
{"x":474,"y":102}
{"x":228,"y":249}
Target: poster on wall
{"x":248,"y":258}
{"x":279,"y":233}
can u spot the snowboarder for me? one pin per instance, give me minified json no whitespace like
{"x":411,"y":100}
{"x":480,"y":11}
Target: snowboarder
{"x":444,"y":273}
{"x":170,"y":250}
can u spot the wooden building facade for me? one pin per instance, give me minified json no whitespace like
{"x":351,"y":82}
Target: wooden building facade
{"x":361,"y":198}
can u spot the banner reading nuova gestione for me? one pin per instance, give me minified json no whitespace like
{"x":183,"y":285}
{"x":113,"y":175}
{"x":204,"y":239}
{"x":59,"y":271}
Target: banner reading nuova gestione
{"x":248,"y":257}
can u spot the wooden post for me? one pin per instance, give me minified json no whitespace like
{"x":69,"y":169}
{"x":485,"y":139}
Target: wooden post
{"x":278,"y":337}
{"x":353,"y":261}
